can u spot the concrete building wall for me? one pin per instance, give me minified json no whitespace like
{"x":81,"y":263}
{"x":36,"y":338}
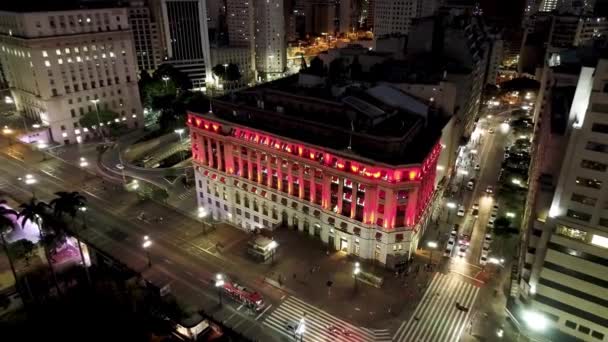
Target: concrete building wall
{"x":54,"y":73}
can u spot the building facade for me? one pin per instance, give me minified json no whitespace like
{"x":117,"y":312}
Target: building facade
{"x":270,"y":45}
{"x":394,"y":16}
{"x":564,"y":263}
{"x":56,"y":63}
{"x":146,"y":36}
{"x":260,"y":178}
{"x":187,"y":37}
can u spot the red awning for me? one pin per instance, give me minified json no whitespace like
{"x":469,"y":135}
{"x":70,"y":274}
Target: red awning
{"x":213,"y":176}
{"x":206,"y":173}
{"x":222,"y":179}
{"x":348,"y":196}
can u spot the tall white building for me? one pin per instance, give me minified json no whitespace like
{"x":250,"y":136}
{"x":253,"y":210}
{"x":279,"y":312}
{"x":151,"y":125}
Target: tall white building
{"x":187,"y":37}
{"x":57,"y":62}
{"x":564,"y":259}
{"x":239,"y":19}
{"x":270,"y":45}
{"x":395,"y":16}
{"x":146,"y":36}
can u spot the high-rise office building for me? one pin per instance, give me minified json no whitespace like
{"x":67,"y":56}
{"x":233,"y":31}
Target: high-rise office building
{"x":563,"y":271}
{"x":270,"y":44}
{"x":240,"y":22}
{"x":396,"y":16}
{"x":187,"y":36}
{"x":146,"y":36}
{"x":58,"y":62}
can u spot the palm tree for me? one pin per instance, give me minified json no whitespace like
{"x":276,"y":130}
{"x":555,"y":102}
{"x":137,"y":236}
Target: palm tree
{"x":38,"y":213}
{"x":71,"y":203}
{"x":6,"y":225}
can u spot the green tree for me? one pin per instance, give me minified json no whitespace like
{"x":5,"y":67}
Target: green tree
{"x":232,"y":73}
{"x":39,"y":213}
{"x":6,"y":226}
{"x":90,"y":119}
{"x":316,"y":67}
{"x":181,"y":81}
{"x":22,"y":249}
{"x":219,"y":71}
{"x":71,"y":203}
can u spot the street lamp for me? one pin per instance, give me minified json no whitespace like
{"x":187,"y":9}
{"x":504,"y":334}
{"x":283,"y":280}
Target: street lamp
{"x":96,"y":101}
{"x":432,"y":245}
{"x":516,"y":181}
{"x":83,"y":209}
{"x":135,"y":184}
{"x":166,"y":79}
{"x":219,"y":284}
{"x":535,"y":320}
{"x":510,"y":214}
{"x":83,"y":162}
{"x":146,"y":245}
{"x":180,"y":131}
{"x":29,"y":180}
{"x":356,"y":272}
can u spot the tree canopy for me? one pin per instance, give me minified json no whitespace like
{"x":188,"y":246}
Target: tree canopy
{"x":90,"y":119}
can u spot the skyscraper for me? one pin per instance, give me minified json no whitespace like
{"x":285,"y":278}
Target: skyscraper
{"x":187,"y":36}
{"x":270,"y":49}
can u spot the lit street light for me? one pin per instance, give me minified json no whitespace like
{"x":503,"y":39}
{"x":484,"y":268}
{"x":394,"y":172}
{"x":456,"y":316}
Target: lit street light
{"x":180,"y":131}
{"x":83,"y":162}
{"x":219,"y":284}
{"x":432,"y":245}
{"x":356,"y":272}
{"x":96,"y":101}
{"x":535,"y":320}
{"x":29,"y":180}
{"x":84,"y":216}
{"x":146,"y":245}
{"x":166,"y":79}
{"x":510,"y":214}
{"x":516,"y":181}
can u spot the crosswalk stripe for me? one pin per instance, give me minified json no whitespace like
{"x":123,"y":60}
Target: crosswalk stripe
{"x":317,"y":321}
{"x":439,"y":319}
{"x":404,"y":326}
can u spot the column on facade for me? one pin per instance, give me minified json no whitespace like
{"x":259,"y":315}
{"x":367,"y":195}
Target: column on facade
{"x":353,"y":199}
{"x":371,"y":203}
{"x":249,"y":164}
{"x":390,"y":208}
{"x":269,"y":170}
{"x":326,"y":201}
{"x":289,"y":178}
{"x":199,"y":140}
{"x":280,"y":184}
{"x":220,"y":157}
{"x":410,"y":215}
{"x":208,"y":142}
{"x":228,"y":159}
{"x":301,"y":181}
{"x":258,"y":161}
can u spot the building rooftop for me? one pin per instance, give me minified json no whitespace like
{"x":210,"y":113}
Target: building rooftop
{"x":380,"y":123}
{"x":28,"y":6}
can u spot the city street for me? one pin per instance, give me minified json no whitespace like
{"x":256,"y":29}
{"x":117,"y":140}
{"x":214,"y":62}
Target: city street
{"x":191,"y":258}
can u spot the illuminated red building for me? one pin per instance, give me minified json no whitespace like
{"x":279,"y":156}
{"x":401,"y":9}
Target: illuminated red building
{"x":353,"y":171}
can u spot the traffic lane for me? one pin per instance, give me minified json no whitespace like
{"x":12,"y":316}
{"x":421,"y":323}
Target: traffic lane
{"x":104,"y":232}
{"x":488,"y":177}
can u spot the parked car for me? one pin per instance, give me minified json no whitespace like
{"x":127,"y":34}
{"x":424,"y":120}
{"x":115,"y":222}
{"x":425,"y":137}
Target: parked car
{"x":483,"y":260}
{"x":495,"y":209}
{"x":490,"y":189}
{"x":477,"y":167}
{"x":471,"y":184}
{"x":460,"y":211}
{"x":462,"y":251}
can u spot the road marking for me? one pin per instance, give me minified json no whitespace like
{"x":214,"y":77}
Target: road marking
{"x":464,"y":275}
{"x":263,"y":312}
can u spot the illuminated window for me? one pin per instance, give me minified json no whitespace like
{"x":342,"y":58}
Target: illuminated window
{"x":600,"y":241}
{"x":47,"y":63}
{"x":60,"y":60}
{"x":571,"y":232}
{"x":45,"y":54}
{"x":58,"y":52}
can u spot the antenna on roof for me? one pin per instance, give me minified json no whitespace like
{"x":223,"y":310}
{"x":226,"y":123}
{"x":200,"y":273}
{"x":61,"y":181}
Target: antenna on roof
{"x":350,"y":137}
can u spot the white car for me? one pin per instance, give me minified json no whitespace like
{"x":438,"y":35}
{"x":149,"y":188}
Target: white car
{"x":490,"y":225}
{"x":495,"y":209}
{"x":490,"y":189}
{"x":460,"y":211}
{"x":483,"y":260}
{"x":449,"y":247}
{"x":477,"y":167}
{"x":462,"y":251}
{"x":475,"y":206}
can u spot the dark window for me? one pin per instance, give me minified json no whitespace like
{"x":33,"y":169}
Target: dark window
{"x":584,"y":329}
{"x":598,"y":335}
{"x":586,"y":200}
{"x":572,"y":310}
{"x":247,"y":215}
{"x":596,"y":147}
{"x":599,"y":128}
{"x":571,"y":324}
{"x":574,"y":292}
{"x":73,"y":112}
{"x":599,"y":107}
{"x":579,"y":215}
{"x":593,"y":165}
